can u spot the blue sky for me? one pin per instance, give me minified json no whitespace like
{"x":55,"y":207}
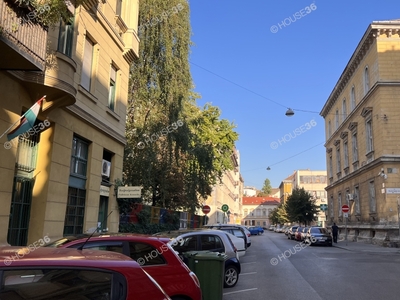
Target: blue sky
{"x":295,"y":67}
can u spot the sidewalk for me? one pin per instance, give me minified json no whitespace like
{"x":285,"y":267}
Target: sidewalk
{"x":365,"y":247}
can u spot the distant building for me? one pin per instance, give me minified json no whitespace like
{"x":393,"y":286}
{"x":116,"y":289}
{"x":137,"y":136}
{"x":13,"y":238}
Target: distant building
{"x":229,"y":193}
{"x":362,"y":138}
{"x":250,"y":191}
{"x":256,"y":210}
{"x":313,"y":182}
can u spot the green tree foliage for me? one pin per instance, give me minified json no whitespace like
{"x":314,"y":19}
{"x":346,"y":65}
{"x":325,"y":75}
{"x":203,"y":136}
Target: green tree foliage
{"x":300,"y":207}
{"x":266,"y":189}
{"x":279,"y":215}
{"x":175,"y":150}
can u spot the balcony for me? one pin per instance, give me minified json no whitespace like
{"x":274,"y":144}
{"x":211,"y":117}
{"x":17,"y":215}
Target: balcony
{"x":22,"y":44}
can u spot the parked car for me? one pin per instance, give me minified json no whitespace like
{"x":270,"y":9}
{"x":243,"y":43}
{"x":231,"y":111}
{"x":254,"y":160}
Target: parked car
{"x":271,"y":228}
{"x":211,"y":240}
{"x":297,"y":234}
{"x":237,"y":230}
{"x":303,"y":233}
{"x":239,"y":243}
{"x":318,"y":236}
{"x":282,"y":229}
{"x":154,"y":254}
{"x":291,"y":232}
{"x":255,"y":230}
{"x":63,"y":274}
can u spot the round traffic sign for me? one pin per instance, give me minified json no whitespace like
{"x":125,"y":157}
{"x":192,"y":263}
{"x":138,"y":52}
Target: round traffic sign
{"x":225,"y":208}
{"x":345,"y":208}
{"x":206,"y":209}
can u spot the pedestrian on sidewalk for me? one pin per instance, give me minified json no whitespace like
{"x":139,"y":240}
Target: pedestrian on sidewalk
{"x":335,"y":231}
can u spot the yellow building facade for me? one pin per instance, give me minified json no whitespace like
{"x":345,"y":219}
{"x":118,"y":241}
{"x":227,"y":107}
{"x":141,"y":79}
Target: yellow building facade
{"x":362,"y":138}
{"x":59,"y":181}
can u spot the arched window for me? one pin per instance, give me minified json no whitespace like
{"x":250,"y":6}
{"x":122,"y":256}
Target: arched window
{"x":344,"y":109}
{"x":352,"y":98}
{"x":366,"y":80}
{"x":246,"y":212}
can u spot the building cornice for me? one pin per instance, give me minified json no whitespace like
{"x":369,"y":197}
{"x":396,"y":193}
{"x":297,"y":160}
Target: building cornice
{"x":374,"y":31}
{"x":88,"y":118}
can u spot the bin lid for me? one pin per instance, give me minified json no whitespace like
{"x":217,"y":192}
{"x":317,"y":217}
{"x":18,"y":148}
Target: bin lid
{"x":205,"y":255}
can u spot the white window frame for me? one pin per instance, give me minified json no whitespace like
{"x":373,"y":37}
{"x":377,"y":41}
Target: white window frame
{"x":346,"y":153}
{"x":87,"y":64}
{"x":366,"y":80}
{"x":344,"y":110}
{"x":369,"y":135}
{"x":353,"y":98}
{"x":354,"y":146}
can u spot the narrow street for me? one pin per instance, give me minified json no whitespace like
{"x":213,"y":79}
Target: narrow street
{"x":315,"y":272}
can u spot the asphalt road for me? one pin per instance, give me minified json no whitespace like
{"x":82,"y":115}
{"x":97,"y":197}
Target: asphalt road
{"x":277,"y":268}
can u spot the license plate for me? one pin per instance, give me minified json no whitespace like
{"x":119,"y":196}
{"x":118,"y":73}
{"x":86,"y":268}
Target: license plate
{"x":322,"y":239}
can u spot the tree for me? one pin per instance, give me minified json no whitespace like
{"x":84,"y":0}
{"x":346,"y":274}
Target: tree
{"x":278,"y":215}
{"x":175,"y":150}
{"x":300,"y":207}
{"x":266,"y":189}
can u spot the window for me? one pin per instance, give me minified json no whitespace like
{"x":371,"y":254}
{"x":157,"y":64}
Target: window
{"x":344,"y":109}
{"x":331,"y":207}
{"x":340,"y":204}
{"x":87,"y":64}
{"x":330,"y":167}
{"x":352,"y":98}
{"x":366,"y":80}
{"x":111,"y":92}
{"x":354,"y":147}
{"x":75,"y":211}
{"x":368,"y":126}
{"x":264,"y":211}
{"x":346,"y":154}
{"x":329,"y":129}
{"x":146,"y":254}
{"x":79,"y":157}
{"x":118,"y":8}
{"x":246,"y":212}
{"x":338,"y":162}
{"x":114,"y":246}
{"x":71,"y":283}
{"x":357,"y":200}
{"x":212,"y":243}
{"x":337,"y":120}
{"x":188,"y":244}
{"x":372,"y":199}
{"x":66,"y":36}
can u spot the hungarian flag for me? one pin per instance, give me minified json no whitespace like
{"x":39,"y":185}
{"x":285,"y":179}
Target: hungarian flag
{"x":27,"y":120}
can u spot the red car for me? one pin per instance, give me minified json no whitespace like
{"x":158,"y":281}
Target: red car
{"x":155,"y":256}
{"x":64,"y":274}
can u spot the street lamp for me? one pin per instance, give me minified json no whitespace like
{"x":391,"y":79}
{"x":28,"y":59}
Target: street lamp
{"x":268,"y":168}
{"x":289,"y":112}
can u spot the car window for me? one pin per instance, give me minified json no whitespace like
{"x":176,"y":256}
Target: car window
{"x":238,"y":233}
{"x":145,"y":254}
{"x":114,"y":246}
{"x":211,"y":242}
{"x":56,"y":284}
{"x":188,"y":243}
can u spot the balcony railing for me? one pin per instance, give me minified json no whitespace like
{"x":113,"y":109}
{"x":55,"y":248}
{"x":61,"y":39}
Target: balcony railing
{"x":22,"y":44}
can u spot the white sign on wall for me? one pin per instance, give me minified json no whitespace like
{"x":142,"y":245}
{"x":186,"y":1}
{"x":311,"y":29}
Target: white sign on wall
{"x":104,"y":191}
{"x":129,"y":192}
{"x":392,"y":190}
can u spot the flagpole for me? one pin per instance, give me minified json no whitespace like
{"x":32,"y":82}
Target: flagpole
{"x":41,"y":99}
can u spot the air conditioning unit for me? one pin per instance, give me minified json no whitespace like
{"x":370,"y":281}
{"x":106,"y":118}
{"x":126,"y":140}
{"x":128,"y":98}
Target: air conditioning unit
{"x":105,"y":168}
{"x":349,"y":197}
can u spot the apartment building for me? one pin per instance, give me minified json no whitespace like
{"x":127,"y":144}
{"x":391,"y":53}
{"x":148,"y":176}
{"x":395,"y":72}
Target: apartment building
{"x":59,"y":180}
{"x":314,"y":182}
{"x":362,"y":138}
{"x":228,"y":192}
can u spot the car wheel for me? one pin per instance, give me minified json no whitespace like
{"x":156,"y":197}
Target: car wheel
{"x":231,"y":277}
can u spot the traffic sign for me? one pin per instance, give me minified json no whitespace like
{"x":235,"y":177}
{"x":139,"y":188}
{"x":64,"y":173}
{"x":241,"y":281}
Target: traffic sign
{"x":345,"y":215}
{"x":345,"y":208}
{"x":323,"y":207}
{"x":206,"y":209}
{"x":225,"y":208}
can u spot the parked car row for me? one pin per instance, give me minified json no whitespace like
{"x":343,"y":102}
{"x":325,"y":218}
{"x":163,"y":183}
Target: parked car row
{"x":313,"y":235}
{"x":120,"y":265}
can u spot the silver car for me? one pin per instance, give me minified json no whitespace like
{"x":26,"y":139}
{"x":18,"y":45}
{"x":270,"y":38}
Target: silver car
{"x":211,"y":240}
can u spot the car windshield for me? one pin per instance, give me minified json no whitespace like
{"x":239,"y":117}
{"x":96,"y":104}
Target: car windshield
{"x":319,"y":230}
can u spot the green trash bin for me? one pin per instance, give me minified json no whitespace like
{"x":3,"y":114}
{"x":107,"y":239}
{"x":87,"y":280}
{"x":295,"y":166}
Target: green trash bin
{"x":209,"y":268}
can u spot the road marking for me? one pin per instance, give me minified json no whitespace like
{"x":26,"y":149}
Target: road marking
{"x":247,"y":290}
{"x":248,"y":273}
